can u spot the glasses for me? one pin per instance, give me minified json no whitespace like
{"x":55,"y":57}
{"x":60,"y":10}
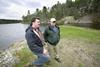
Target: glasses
{"x":54,"y":22}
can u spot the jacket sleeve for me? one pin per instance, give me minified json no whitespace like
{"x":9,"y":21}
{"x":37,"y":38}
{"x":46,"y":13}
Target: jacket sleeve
{"x":45,"y":35}
{"x":59,"y":32}
{"x":32,"y":43}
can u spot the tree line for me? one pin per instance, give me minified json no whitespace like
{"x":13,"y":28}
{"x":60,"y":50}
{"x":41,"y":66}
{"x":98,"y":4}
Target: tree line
{"x":7,"y":21}
{"x":75,"y":8}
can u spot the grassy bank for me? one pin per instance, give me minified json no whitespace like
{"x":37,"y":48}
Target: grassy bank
{"x":86,"y":34}
{"x":25,"y":55}
{"x":78,"y":47}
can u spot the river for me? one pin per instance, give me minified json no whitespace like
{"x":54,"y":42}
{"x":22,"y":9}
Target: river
{"x":11,"y":33}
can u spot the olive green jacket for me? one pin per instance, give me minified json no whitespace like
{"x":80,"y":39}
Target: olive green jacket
{"x":52,"y":36}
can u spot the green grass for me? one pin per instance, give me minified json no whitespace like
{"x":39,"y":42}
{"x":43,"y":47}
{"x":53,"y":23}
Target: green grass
{"x":25,"y":56}
{"x":80,"y":33}
{"x":91,"y":35}
{"x":80,"y":65}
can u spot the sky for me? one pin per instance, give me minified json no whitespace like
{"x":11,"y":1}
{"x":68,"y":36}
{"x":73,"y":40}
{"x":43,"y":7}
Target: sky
{"x":15,"y":9}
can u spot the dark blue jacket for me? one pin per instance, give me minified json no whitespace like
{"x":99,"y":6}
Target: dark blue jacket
{"x":33,"y":41}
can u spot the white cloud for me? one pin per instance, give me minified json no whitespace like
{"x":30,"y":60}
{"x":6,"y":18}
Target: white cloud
{"x":14,"y":9}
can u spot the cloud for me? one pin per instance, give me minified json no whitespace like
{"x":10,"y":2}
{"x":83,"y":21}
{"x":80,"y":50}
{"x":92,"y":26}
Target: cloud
{"x":32,"y":4}
{"x":3,"y":4}
{"x":26,"y":3}
{"x":14,"y":9}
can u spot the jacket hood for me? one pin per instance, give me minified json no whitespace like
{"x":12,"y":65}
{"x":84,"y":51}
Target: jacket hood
{"x":29,"y":27}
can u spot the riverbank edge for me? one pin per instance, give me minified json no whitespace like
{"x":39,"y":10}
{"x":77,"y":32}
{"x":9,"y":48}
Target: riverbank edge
{"x":10,"y":56}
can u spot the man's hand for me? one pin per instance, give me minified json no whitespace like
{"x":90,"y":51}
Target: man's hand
{"x":45,"y":51}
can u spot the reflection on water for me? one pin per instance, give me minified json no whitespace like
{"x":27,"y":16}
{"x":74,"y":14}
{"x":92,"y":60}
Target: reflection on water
{"x":10,"y":33}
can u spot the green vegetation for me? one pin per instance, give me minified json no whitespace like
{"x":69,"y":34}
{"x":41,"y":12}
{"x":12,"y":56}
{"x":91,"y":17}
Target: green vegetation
{"x":25,"y":56}
{"x":69,"y":8}
{"x":7,"y":21}
{"x":80,"y":65}
{"x":80,"y":33}
{"x":72,"y":52}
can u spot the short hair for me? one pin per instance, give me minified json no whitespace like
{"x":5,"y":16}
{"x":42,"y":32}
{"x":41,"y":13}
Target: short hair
{"x":33,"y":20}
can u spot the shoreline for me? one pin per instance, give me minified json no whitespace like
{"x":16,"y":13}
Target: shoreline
{"x":8,"y":57}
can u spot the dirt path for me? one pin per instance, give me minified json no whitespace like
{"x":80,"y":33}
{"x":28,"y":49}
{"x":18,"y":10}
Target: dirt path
{"x":77,"y":53}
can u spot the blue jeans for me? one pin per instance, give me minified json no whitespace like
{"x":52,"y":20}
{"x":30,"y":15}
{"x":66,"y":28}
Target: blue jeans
{"x":42,"y":58}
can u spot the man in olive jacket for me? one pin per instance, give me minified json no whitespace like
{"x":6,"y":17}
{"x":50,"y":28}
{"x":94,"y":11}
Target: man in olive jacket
{"x":52,"y":37}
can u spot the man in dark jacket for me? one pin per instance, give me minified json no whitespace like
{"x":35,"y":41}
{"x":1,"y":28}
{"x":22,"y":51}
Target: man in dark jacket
{"x":52,"y":37}
{"x":35,"y":42}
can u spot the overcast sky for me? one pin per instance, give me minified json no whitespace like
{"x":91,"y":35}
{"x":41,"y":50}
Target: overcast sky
{"x":14,"y":9}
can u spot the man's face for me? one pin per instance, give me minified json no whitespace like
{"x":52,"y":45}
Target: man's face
{"x":53,"y":23}
{"x":37,"y":23}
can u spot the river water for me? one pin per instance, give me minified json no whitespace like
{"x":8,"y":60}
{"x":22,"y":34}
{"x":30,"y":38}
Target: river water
{"x":11,"y":33}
